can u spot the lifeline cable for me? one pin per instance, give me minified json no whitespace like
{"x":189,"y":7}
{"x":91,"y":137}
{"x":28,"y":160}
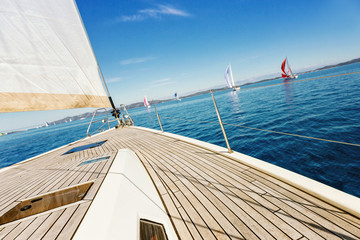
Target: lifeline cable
{"x":264,"y":130}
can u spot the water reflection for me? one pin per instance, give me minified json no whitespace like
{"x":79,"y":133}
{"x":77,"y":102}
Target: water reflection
{"x":235,"y":101}
{"x":288,"y":84}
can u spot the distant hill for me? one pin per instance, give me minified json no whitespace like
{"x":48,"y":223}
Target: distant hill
{"x":356,"y":60}
{"x":152,"y":102}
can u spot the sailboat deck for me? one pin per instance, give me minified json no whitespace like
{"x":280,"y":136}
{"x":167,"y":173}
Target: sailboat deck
{"x":207,"y":195}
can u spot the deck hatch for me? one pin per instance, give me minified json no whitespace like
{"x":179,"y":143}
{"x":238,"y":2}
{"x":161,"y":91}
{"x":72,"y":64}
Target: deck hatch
{"x":85,"y":147}
{"x":46,"y":202}
{"x":151,"y":230}
{"x":94,"y":160}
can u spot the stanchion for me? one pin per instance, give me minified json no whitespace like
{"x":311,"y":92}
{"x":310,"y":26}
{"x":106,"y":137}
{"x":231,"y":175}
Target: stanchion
{"x":221,"y":124}
{"x":162,"y":130}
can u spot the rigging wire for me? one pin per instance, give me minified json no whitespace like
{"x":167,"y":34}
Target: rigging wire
{"x":265,"y":130}
{"x":236,"y":125}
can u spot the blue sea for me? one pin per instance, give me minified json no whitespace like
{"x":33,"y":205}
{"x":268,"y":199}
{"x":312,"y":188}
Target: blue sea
{"x":326,"y":108}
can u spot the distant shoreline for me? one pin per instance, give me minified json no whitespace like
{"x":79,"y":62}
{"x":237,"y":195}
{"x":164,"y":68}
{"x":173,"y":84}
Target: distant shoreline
{"x":140,"y":104}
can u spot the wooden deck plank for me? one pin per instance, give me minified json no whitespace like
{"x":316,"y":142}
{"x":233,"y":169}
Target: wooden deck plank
{"x":302,"y":219}
{"x":57,"y":176}
{"x":60,"y":223}
{"x":68,"y":231}
{"x":313,"y":211}
{"x":142,"y":145}
{"x":46,"y":225}
{"x":256,"y":215}
{"x":203,"y":198}
{"x":302,"y":228}
{"x":274,"y":230}
{"x":33,"y":226}
{"x":337,"y":229}
{"x":94,"y":189}
{"x":207,"y":195}
{"x":5,"y":231}
{"x":193,"y":213}
{"x":209,"y":220}
{"x":18,"y":229}
{"x":158,"y":183}
{"x":195,"y":217}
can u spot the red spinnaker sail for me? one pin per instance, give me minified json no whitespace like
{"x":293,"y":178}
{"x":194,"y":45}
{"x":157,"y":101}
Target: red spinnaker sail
{"x":283,"y":72}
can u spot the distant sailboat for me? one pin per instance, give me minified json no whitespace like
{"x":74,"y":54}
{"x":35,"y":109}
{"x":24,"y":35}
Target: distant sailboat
{"x":229,"y":79}
{"x":146,"y":103}
{"x":177,"y":97}
{"x":46,"y":124}
{"x":287,"y":74}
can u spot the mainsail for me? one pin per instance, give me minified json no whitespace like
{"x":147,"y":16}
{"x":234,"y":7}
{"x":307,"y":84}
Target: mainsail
{"x":228,"y":77}
{"x":288,"y":73}
{"x":177,"y":97}
{"x":46,"y":60}
{"x":283,"y":72}
{"x":146,"y":103}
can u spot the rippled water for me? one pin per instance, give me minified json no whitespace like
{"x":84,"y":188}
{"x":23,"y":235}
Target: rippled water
{"x":327,"y":108}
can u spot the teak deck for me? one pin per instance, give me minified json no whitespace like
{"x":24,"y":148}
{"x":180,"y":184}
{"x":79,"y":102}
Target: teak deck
{"x":207,"y":195}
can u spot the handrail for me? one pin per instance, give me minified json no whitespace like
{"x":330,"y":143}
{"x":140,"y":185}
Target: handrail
{"x":125,"y":118}
{"x":221,"y":123}
{"x":265,"y":130}
{"x":105,"y":120}
{"x":158,"y":117}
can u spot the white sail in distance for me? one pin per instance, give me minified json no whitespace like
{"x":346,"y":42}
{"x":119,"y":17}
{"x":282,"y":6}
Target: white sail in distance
{"x":46,"y":60}
{"x":229,"y":77}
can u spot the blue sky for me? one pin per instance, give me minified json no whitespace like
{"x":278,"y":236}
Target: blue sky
{"x":154,"y":48}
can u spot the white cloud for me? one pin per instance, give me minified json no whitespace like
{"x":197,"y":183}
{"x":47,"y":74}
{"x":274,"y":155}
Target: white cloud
{"x":162,"y":80}
{"x":114,"y":79}
{"x":157,"y":12}
{"x":160,"y":83}
{"x":135,"y":60}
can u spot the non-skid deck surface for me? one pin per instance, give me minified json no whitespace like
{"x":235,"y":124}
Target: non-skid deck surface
{"x":207,"y":195}
{"x":50,"y":173}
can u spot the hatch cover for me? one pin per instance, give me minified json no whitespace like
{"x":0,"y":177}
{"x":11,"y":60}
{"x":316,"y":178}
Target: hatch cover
{"x":94,"y":160}
{"x":46,"y":202}
{"x":85,"y":147}
{"x":151,"y":230}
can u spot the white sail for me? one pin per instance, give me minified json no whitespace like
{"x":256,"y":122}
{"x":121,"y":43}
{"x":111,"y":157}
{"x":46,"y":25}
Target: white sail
{"x":228,"y":77}
{"x":46,"y":60}
{"x":292,"y":75}
{"x":232,"y":78}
